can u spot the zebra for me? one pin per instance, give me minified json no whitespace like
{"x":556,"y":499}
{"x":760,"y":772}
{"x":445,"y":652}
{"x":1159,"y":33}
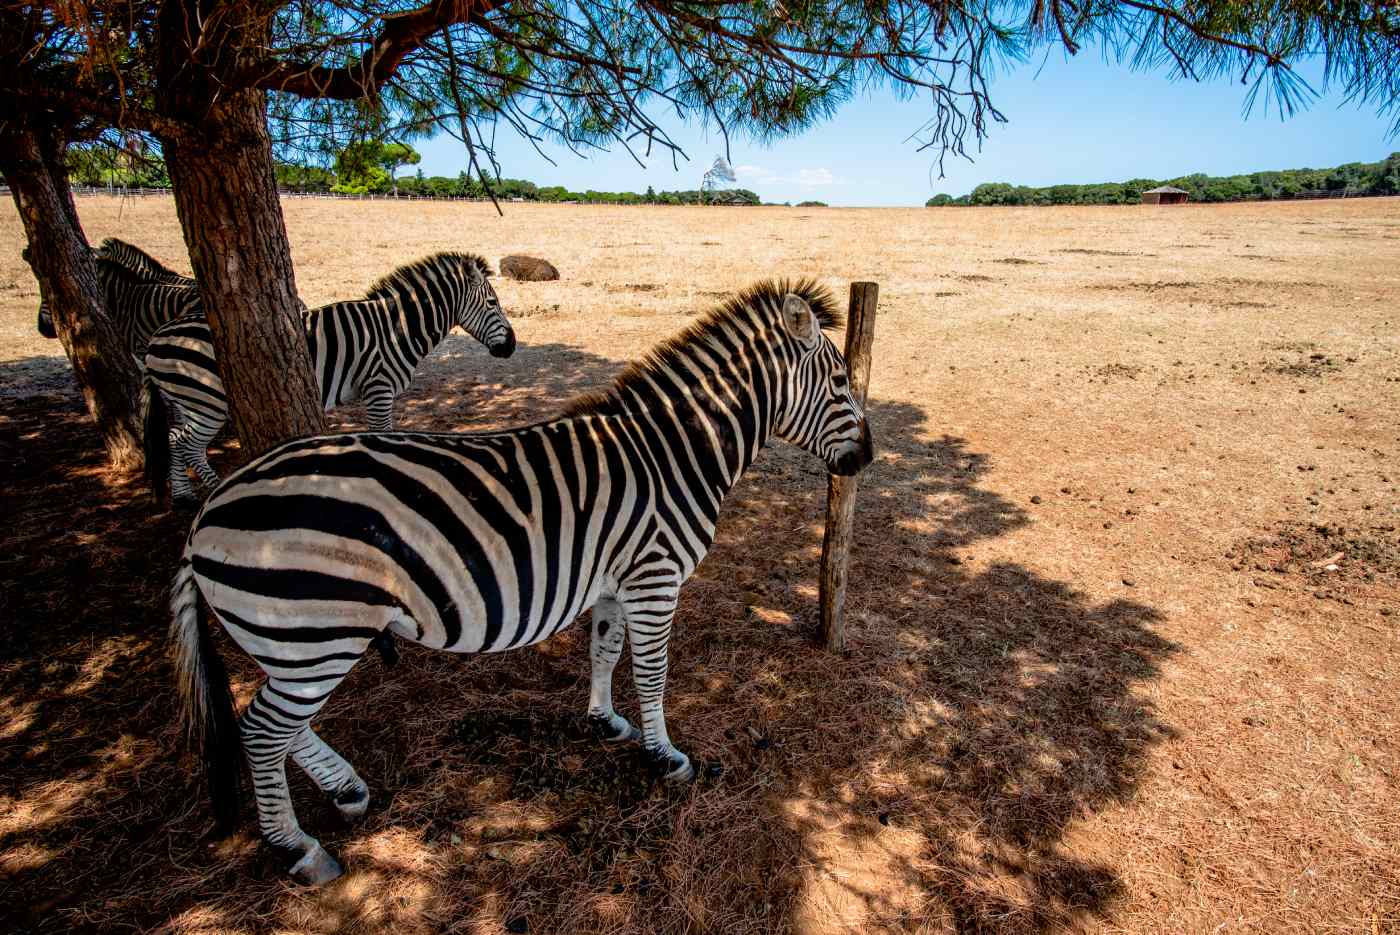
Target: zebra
{"x":136,"y":304}
{"x":361,"y":349}
{"x":483,"y":542}
{"x":140,"y":294}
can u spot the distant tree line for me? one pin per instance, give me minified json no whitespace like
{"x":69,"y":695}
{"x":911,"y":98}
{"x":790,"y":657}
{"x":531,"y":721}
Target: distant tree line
{"x":312,"y":179}
{"x":368,"y":168}
{"x":1354,"y":178}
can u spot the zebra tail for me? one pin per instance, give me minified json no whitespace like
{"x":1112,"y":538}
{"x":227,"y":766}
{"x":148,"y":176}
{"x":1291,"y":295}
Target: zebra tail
{"x":206,"y":701}
{"x":157,"y":439}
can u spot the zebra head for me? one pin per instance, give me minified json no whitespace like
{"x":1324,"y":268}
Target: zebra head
{"x":45,"y":323}
{"x":821,"y":416}
{"x":481,"y":315}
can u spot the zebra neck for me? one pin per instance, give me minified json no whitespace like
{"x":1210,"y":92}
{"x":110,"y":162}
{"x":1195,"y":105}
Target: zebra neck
{"x":708,"y":428}
{"x":428,"y":313}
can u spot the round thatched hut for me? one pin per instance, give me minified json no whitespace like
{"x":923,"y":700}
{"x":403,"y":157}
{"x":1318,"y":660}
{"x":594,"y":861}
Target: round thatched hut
{"x":1164,"y":195}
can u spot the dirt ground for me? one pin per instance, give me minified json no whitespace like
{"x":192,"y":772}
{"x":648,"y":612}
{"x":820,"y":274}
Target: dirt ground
{"x":1124,"y":605}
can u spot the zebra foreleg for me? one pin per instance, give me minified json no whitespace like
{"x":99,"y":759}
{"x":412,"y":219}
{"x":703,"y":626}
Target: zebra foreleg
{"x":331,"y":773}
{"x":609,"y":632}
{"x":649,"y":610}
{"x":270,"y":727}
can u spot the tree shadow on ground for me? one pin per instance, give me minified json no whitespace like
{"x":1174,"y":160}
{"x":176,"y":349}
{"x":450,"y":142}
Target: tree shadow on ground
{"x":925,"y":782}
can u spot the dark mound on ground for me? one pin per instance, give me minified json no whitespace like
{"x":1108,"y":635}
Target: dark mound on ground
{"x":528,"y":268}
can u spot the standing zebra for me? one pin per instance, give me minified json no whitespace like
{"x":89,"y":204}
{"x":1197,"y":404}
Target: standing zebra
{"x":140,"y":295}
{"x":490,"y":541}
{"x":361,"y":349}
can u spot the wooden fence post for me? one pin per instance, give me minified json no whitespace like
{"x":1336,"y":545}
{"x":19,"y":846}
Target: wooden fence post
{"x":841,"y":491}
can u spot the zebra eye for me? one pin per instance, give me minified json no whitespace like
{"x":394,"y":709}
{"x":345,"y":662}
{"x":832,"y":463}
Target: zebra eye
{"x":839,"y":381}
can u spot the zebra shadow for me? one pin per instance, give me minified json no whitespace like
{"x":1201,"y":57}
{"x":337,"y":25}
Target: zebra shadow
{"x":926,"y":780}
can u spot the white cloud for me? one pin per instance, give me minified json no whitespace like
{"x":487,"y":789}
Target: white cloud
{"x":757,"y":173}
{"x":813,"y":178}
{"x":806,"y":178}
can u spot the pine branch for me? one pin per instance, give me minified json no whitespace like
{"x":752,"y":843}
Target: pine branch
{"x":402,"y":34}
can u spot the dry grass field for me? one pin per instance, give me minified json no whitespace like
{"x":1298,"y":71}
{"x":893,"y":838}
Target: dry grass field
{"x":1125,"y":605}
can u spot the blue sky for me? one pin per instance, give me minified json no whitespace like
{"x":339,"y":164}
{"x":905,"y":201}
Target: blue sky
{"x":1070,"y":120}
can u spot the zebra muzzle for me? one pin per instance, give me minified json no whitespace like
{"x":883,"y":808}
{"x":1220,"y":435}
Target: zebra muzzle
{"x":505,"y":347}
{"x":851,"y":462}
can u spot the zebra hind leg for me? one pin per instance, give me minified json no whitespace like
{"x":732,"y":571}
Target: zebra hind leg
{"x":331,"y":773}
{"x":181,"y":490}
{"x":271,"y":726}
{"x":197,"y":440}
{"x":609,"y":633}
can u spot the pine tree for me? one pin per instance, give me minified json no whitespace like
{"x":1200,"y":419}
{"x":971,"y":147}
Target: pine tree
{"x":216,"y":84}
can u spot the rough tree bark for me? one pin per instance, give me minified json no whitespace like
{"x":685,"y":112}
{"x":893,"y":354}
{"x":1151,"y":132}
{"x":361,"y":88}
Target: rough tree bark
{"x":226,"y":196}
{"x":58,"y":252}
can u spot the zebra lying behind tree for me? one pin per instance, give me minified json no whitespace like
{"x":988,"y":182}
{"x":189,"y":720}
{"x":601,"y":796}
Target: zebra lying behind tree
{"x":140,"y":293}
{"x":361,"y":349}
{"x":482,"y":542}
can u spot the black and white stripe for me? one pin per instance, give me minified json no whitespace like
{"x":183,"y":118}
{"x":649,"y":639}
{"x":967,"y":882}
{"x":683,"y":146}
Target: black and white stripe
{"x":491,"y":541}
{"x":140,"y":293}
{"x":138,"y":261}
{"x":361,"y":349}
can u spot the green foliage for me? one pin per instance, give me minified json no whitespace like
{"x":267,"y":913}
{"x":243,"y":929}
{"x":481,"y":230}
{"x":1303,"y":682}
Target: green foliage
{"x":1354,"y":178}
{"x":105,"y":163}
{"x":587,"y":75}
{"x":811,"y":204}
{"x":368,"y":167}
{"x":584,"y":75}
{"x":297,"y":178}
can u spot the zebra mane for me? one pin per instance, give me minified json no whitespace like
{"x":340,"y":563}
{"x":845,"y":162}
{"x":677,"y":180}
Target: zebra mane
{"x":761,"y":299}
{"x":405,"y":276}
{"x":135,"y":260}
{"x":123,"y":272}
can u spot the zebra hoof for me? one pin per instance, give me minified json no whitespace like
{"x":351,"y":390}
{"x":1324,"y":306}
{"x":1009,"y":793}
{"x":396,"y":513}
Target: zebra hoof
{"x":316,"y":868}
{"x":607,"y":729}
{"x":682,"y":773}
{"x":672,"y":764}
{"x":352,"y":802}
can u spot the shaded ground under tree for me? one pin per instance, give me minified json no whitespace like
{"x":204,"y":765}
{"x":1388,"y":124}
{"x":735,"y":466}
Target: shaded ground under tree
{"x":925,"y":782}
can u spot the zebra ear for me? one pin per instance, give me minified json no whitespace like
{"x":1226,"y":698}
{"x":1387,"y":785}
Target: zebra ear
{"x":799,"y":320}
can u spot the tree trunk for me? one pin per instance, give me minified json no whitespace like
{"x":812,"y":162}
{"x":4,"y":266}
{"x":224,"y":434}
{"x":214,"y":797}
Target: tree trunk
{"x":225,"y":188}
{"x":32,"y":163}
